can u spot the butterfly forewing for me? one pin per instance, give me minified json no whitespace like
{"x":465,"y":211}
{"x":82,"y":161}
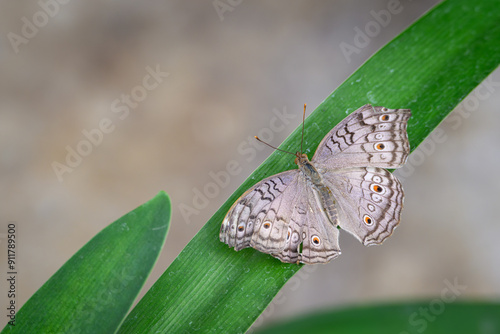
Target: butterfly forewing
{"x":368,"y":137}
{"x":259,"y":218}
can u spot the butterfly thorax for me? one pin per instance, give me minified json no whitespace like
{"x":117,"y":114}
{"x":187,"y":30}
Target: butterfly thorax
{"x":306,"y":167}
{"x":322,"y":192}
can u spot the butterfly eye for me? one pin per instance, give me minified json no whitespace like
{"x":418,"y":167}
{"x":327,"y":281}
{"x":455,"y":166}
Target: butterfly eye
{"x":384,"y":118}
{"x":267,"y":225}
{"x":315,"y":240}
{"x":367,"y":219}
{"x":379,"y":146}
{"x":376,"y":188}
{"x":241,"y":228}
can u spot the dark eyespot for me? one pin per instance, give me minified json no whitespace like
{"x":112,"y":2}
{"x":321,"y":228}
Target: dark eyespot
{"x":241,"y":228}
{"x":380,"y":146}
{"x":267,"y":225}
{"x":315,"y":240}
{"x":384,"y":118}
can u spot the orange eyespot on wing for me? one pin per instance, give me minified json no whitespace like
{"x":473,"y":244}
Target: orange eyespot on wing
{"x":376,"y":188}
{"x":315,"y":240}
{"x":368,"y":220}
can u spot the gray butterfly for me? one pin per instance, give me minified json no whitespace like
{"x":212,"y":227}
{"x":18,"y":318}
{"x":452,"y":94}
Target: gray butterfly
{"x":296,"y":215}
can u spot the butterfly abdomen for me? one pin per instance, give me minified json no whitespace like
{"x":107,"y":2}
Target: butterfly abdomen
{"x":322,"y":192}
{"x":328,"y":202}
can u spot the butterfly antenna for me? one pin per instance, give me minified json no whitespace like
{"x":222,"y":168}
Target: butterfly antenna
{"x":271,"y":146}
{"x":303,"y":120}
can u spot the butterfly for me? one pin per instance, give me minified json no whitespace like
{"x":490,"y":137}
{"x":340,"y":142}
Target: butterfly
{"x":296,"y":215}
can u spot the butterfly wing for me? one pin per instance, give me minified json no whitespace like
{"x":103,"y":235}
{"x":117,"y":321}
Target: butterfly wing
{"x":369,"y":201}
{"x":259,"y":218}
{"x":320,"y":236}
{"x":351,"y":158}
{"x":281,"y":216}
{"x":368,"y":137}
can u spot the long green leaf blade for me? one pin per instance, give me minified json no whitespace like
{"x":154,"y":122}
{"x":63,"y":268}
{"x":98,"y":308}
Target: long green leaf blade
{"x":431,"y":317}
{"x":429,"y":68}
{"x":93,"y":291}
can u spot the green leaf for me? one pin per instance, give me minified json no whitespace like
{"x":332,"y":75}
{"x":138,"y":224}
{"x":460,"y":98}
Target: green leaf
{"x":431,"y":317}
{"x":93,"y":291}
{"x":429,"y":68}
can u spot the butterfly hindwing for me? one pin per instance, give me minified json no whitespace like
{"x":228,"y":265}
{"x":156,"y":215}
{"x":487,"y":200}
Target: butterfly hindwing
{"x":320,"y":242}
{"x":369,"y":202}
{"x":312,"y":237}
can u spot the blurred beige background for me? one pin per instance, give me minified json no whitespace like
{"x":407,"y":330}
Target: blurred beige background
{"x":229,"y":74}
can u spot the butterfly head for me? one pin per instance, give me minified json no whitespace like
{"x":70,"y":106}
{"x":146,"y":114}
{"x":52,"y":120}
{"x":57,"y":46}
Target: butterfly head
{"x":301,"y":159}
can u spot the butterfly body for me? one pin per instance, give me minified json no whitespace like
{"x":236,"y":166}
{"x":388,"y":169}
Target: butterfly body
{"x":320,"y":190}
{"x":295,"y":215}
